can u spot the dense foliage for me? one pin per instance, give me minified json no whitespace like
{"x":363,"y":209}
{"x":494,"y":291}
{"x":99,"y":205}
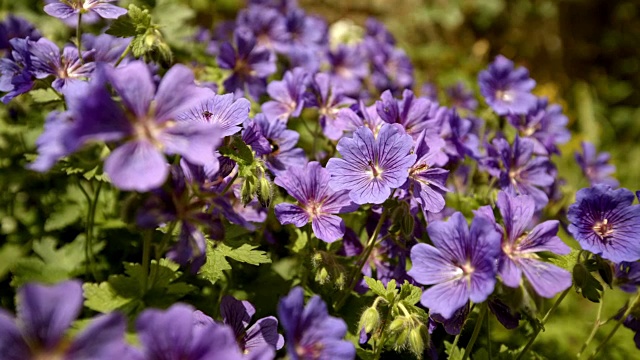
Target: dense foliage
{"x":181,"y":181}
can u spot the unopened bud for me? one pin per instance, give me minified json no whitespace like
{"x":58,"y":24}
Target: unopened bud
{"x":406,"y":224}
{"x":340,"y":281}
{"x":417,"y":339}
{"x":401,"y":340}
{"x":369,"y":319}
{"x":248,"y":190}
{"x":265,"y":193}
{"x":322,"y":276}
{"x":397,"y":324}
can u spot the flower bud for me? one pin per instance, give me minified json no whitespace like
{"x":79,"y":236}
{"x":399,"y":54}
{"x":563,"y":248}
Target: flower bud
{"x":417,"y":337}
{"x":369,"y":319}
{"x":322,"y":276}
{"x":248,"y":190}
{"x":397,"y":324}
{"x":265,"y":193}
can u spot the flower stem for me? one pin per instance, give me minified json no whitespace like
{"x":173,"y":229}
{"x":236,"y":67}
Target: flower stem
{"x":354,"y":275}
{"x":146,"y":258}
{"x":544,"y":320}
{"x":476,"y":331}
{"x":79,"y":37}
{"x":596,"y":325}
{"x":124,"y":55}
{"x":615,"y":328}
{"x":91,"y":220}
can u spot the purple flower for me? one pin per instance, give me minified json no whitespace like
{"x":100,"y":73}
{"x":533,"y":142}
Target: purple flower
{"x":308,"y":39}
{"x":596,"y":167}
{"x":283,"y":152}
{"x":521,"y":172}
{"x":414,"y":114}
{"x":628,"y":276}
{"x":605,"y":223}
{"x":350,"y":119}
{"x":45,"y":313}
{"x":287,"y":96}
{"x":66,"y":67}
{"x":371,"y":166}
{"x":328,"y":97}
{"x":461,"y":266}
{"x":310,"y":332}
{"x":460,"y":97}
{"x":149,"y":125}
{"x":16,"y":70}
{"x":429,"y":91}
{"x":391,"y":67}
{"x":317,"y":202}
{"x":269,"y":27}
{"x":264,"y":333}
{"x":348,"y":68}
{"x":51,"y":146}
{"x":544,"y":124}
{"x":16,"y":27}
{"x":427,"y":183}
{"x":222,"y":111}
{"x":250,"y":66}
{"x":519,"y":247}
{"x":505,"y":89}
{"x":182,"y":333}
{"x":106,"y":48}
{"x":63,"y":9}
{"x":460,"y":138}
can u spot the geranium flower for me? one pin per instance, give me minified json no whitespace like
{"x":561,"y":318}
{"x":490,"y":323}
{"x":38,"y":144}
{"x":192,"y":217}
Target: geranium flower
{"x":237,"y":314}
{"x":461,"y":266}
{"x":371,"y":166}
{"x":63,"y":9}
{"x":507,"y":90}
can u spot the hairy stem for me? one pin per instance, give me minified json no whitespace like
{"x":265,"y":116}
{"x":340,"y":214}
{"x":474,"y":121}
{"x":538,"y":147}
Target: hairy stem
{"x":124,"y":55}
{"x":544,"y":320}
{"x":476,"y":331}
{"x":615,"y":328}
{"x":596,"y":325}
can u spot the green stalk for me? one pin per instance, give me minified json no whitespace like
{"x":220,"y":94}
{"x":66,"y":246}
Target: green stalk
{"x":124,"y":54}
{"x":91,"y":220}
{"x":615,"y":328}
{"x":544,"y":320}
{"x":596,"y":325}
{"x":476,"y":331}
{"x":79,"y":37}
{"x":146,"y":258}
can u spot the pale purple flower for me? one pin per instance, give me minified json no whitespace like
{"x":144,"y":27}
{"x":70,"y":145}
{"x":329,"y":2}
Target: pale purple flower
{"x":459,"y":135}
{"x":519,"y":247}
{"x":415,"y":114}
{"x":505,"y":89}
{"x":371,"y":166}
{"x":391,"y":67}
{"x":51,"y":145}
{"x":605,"y":223}
{"x":287,"y":96}
{"x":150,"y":129}
{"x":221,"y":110}
{"x":45,"y":313}
{"x":544,"y":124}
{"x":328,"y":97}
{"x":237,"y":314}
{"x":348,"y":68}
{"x":427,"y":182}
{"x":269,"y":27}
{"x":63,"y":9}
{"x":429,"y":91}
{"x":66,"y":67}
{"x":460,"y":97}
{"x":317,"y":202}
{"x":595,"y":166}
{"x":310,"y":332}
{"x":461,"y":266}
{"x":105,"y":48}
{"x":358,"y":115}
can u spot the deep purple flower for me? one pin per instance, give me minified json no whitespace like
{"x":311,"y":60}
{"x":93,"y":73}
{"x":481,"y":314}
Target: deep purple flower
{"x":287,"y":96}
{"x":627,"y":276}
{"x":63,"y":9}
{"x":595,"y":166}
{"x":283,"y":152}
{"x":459,"y":135}
{"x":413,"y":113}
{"x":605,"y":223}
{"x":632,"y":322}
{"x":371,"y":166}
{"x":460,"y":97}
{"x":427,"y":183}
{"x":16,"y":27}
{"x":309,"y":330}
{"x":148,"y":124}
{"x":461,"y":266}
{"x":378,"y":31}
{"x":544,"y":124}
{"x":308,"y":39}
{"x":505,"y":89}
{"x":16,"y":70}
{"x":317,"y":202}
{"x":328,"y":97}
{"x":348,"y":68}
{"x":45,"y":313}
{"x":221,"y":110}
{"x":182,"y":333}
{"x":391,"y":67}
{"x":237,"y":314}
{"x":250,"y":66}
{"x":66,"y":67}
{"x":521,"y":172}
{"x":519,"y":247}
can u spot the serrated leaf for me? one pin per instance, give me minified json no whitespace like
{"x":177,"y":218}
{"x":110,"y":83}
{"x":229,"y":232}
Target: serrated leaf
{"x":44,"y":95}
{"x":567,"y":261}
{"x":216,"y":263}
{"x":103,"y":297}
{"x":409,"y":293}
{"x":135,"y":22}
{"x":376,"y":286}
{"x":9,"y":255}
{"x":300,"y":240}
{"x":62,"y":218}
{"x":454,"y":352}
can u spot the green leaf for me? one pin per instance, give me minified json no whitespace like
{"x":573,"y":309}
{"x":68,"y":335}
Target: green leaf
{"x":216,"y":264}
{"x":454,"y":352}
{"x":587,"y":284}
{"x":409,"y":293}
{"x":9,"y":255}
{"x":376,"y":286}
{"x":300,"y":240}
{"x":566,"y":262}
{"x":51,"y":264}
{"x":136,"y":22}
{"x":44,"y":95}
